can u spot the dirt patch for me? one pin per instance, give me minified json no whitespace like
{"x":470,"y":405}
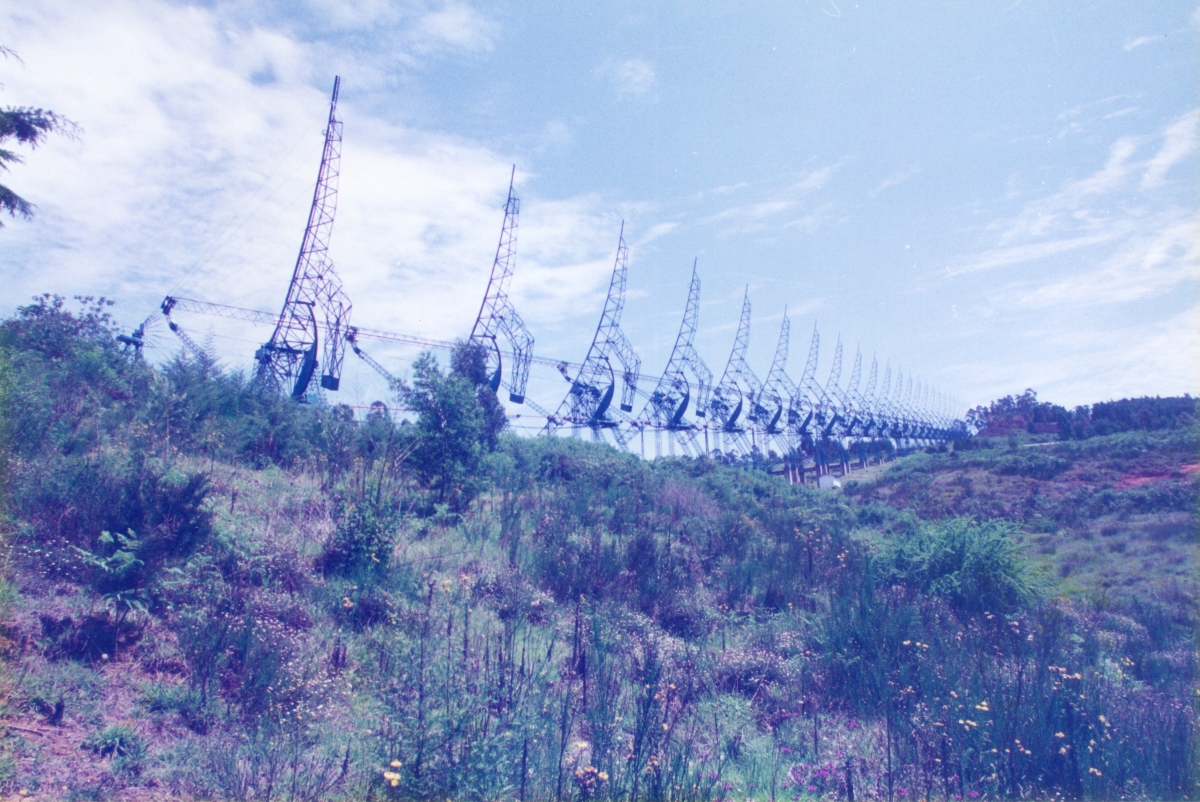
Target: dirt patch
{"x":1139,"y":478}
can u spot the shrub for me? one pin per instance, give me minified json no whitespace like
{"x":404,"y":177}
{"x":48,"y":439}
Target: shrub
{"x":1032,"y":464}
{"x":976,"y":567}
{"x":180,"y":699}
{"x":362,"y":541}
{"x":118,"y":740}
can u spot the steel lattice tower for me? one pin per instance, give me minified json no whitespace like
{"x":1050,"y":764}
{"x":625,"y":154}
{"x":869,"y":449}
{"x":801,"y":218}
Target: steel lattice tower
{"x":497,"y":316}
{"x":738,"y":386}
{"x":672,"y":396}
{"x":315,"y":298}
{"x":594,"y":387}
{"x":779,"y":390}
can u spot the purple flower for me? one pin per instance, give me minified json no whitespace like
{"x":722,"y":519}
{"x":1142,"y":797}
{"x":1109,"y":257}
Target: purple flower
{"x":812,"y":788}
{"x":903,"y":793}
{"x":973,"y":794}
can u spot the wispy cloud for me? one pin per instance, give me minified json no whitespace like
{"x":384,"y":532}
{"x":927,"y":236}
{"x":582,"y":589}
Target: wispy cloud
{"x":656,"y":231}
{"x":815,"y":179}
{"x":1122,"y":237}
{"x":1139,"y":41}
{"x":1145,"y":265}
{"x":1018,"y":254}
{"x":761,"y":215}
{"x":195,"y":174}
{"x":894,"y":180}
{"x":631,"y":78}
{"x":1179,"y":141}
{"x":454,"y":26}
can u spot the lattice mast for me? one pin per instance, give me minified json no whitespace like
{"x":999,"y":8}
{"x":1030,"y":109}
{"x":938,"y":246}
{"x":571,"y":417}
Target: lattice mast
{"x":779,"y":391}
{"x":315,"y":298}
{"x":809,"y":393}
{"x":833,"y":404}
{"x":594,"y":388}
{"x":739,"y":387}
{"x":673,"y":395}
{"x":497,"y":316}
{"x":854,"y":407}
{"x":869,"y":402}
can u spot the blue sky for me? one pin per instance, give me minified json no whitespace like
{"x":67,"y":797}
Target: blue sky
{"x":993,"y":196}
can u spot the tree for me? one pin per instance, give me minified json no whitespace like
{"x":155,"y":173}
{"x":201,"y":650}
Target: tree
{"x":450,"y":428}
{"x":28,"y":126}
{"x":469,"y":360}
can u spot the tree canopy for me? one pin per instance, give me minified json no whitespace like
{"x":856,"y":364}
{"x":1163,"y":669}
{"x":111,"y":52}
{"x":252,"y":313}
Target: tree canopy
{"x":27,"y":126}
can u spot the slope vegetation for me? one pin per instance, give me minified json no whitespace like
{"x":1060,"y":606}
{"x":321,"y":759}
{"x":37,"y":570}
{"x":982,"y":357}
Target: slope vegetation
{"x":214,"y":593}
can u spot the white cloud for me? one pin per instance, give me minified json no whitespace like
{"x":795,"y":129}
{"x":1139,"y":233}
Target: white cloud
{"x":632,"y":78}
{"x":1179,"y":141}
{"x":815,"y":179}
{"x":455,"y":26}
{"x":1091,"y":263}
{"x":1122,"y":112}
{"x":1139,"y":41}
{"x":656,"y":231}
{"x":195,"y":170}
{"x":1018,"y":254}
{"x":894,"y":180}
{"x":763,"y":215}
{"x":1145,"y":265}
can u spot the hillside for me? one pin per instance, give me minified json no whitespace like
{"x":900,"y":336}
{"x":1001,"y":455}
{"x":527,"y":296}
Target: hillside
{"x":1112,"y":516}
{"x":214,"y":593}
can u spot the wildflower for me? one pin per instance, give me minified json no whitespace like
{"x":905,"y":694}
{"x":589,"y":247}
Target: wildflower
{"x":346,"y":603}
{"x":603,"y":776}
{"x":1094,"y":770}
{"x":1062,"y":750}
{"x":396,"y":764}
{"x":1060,"y":735}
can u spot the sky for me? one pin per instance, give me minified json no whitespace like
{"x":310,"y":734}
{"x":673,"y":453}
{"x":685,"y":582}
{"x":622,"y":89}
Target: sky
{"x":988,"y":196}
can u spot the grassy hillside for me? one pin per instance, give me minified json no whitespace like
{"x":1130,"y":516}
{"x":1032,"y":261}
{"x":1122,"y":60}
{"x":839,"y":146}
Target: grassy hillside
{"x":1113,"y":516}
{"x":214,"y":593}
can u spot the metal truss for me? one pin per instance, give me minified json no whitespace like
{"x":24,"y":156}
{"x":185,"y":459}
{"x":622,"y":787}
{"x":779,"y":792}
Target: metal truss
{"x":315,"y":298}
{"x":803,"y":420}
{"x":497,"y":315}
{"x":738,"y":392}
{"x":595,"y":384}
{"x":685,"y":376}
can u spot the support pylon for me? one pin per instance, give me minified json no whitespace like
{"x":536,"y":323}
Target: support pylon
{"x":497,"y":316}
{"x":315,"y":298}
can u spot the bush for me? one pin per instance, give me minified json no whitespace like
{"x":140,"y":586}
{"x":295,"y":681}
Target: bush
{"x":977,"y":567}
{"x":115,"y":741}
{"x":362,"y":541}
{"x":1033,"y":465}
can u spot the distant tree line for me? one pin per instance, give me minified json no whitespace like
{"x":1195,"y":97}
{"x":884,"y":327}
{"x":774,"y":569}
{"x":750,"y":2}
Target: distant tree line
{"x":1024,"y":413}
